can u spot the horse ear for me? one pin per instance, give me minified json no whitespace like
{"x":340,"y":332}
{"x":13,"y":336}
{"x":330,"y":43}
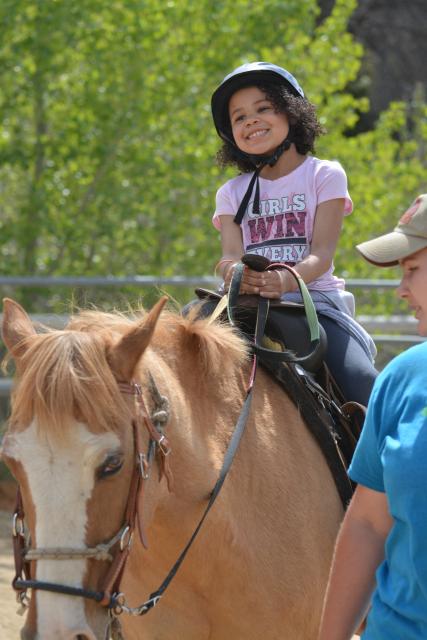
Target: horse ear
{"x":16,"y":328}
{"x":124,"y":356}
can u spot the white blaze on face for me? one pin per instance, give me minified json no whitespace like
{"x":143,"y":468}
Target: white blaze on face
{"x":61,"y":480}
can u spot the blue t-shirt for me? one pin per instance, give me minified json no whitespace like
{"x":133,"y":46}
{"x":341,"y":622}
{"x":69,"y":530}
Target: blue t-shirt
{"x":391,"y":456}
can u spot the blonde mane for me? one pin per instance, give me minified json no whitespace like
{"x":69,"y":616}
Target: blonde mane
{"x":65,"y":375}
{"x":215,"y":346}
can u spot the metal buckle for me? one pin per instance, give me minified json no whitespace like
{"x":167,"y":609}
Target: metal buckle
{"x":137,"y":388}
{"x":126,"y":538}
{"x":164,"y":448}
{"x":144,"y":467}
{"x":23,"y":600}
{"x":149,"y":604}
{"x":119,"y":603}
{"x":18,"y":528}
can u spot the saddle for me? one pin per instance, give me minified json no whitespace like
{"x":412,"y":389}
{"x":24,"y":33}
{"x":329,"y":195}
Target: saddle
{"x":292,"y":352}
{"x":286,"y":330}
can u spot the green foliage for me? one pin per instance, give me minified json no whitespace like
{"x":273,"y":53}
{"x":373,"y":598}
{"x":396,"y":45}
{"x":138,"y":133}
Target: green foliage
{"x":107,"y":146}
{"x":387,"y":169}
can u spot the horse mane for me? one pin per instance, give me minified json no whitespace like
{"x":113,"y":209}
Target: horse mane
{"x":65,"y":374}
{"x":215,"y":346}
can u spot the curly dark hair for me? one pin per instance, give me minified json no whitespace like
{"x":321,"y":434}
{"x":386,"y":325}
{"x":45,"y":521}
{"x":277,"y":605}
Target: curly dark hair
{"x":302,"y":117}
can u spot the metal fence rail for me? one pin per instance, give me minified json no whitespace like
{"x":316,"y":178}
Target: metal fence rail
{"x":146,"y":281}
{"x":386,"y":330}
{"x":105,"y":281}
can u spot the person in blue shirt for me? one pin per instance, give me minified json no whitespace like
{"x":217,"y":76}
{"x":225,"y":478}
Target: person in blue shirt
{"x":380,"y":560}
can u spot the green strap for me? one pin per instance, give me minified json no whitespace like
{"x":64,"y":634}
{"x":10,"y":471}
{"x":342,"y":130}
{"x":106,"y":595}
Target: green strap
{"x":309,"y":308}
{"x":263,"y":308}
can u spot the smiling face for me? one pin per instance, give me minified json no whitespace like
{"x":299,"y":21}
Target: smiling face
{"x":256,"y":125}
{"x":413,"y":287}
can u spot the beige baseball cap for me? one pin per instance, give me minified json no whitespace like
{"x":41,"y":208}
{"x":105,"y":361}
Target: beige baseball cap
{"x":408,"y":237}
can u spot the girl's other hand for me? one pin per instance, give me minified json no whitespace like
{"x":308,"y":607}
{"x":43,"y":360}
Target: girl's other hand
{"x":268,"y":284}
{"x":251,"y":283}
{"x":274,"y":284}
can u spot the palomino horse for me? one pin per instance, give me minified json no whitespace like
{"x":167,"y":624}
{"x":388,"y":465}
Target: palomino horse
{"x":259,"y":567}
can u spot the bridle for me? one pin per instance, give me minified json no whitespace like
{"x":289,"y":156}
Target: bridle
{"x":117,"y":549}
{"x":108,"y":594}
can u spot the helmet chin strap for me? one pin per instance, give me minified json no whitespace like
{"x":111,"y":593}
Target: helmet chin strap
{"x":259,"y":161}
{"x":263,"y":160}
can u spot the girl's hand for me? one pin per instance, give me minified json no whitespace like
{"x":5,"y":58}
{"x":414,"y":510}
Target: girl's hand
{"x":251,"y":282}
{"x":275,"y":284}
{"x":268,"y":284}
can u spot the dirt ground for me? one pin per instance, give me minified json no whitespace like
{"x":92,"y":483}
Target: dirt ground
{"x":10,"y":622}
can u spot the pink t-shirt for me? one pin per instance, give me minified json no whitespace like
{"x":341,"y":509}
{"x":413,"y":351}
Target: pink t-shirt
{"x":283,"y":230}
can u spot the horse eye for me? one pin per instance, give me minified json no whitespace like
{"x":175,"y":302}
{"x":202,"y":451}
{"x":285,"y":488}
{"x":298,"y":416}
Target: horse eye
{"x":110,"y":466}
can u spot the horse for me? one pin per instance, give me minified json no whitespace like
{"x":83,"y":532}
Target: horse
{"x":76,"y":434}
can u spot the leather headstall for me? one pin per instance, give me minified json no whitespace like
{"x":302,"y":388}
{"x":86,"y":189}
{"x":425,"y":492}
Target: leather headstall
{"x":108,"y":594}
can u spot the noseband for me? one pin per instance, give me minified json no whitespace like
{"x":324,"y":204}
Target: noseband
{"x":108,"y":594}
